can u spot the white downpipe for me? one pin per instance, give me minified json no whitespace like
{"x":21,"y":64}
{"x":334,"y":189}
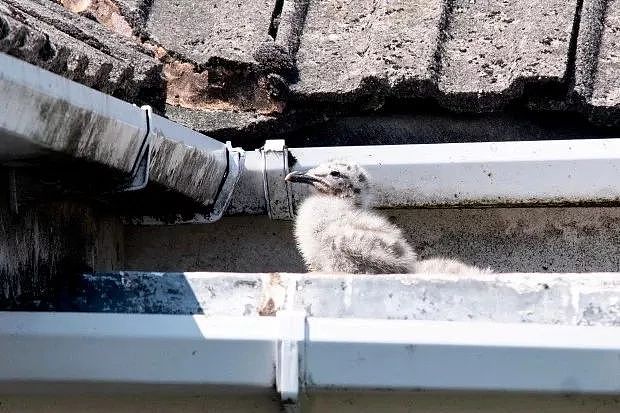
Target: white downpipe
{"x":42,"y":113}
{"x":454,"y":174}
{"x":310,"y":353}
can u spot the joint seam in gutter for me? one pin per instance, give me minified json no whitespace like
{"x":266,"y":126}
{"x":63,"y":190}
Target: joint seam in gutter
{"x":315,"y":354}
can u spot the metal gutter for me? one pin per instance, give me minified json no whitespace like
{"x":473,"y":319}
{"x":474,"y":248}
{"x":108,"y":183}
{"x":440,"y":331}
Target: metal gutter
{"x":303,"y":355}
{"x":398,"y":354}
{"x":91,"y":349}
{"x":42,"y":114}
{"x":560,"y":172}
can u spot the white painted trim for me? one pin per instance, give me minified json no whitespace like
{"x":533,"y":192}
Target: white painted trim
{"x":345,"y":354}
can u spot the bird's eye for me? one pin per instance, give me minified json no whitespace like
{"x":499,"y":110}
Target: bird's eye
{"x":335,"y":173}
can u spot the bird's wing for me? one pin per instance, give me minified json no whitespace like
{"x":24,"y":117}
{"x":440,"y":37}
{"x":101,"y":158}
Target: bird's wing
{"x":362,"y":250}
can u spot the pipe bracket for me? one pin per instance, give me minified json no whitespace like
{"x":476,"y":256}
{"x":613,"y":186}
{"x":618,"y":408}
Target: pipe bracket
{"x":278,"y":196}
{"x":139,"y":177}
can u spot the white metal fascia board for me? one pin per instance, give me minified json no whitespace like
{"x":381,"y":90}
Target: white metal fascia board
{"x":396,"y":354}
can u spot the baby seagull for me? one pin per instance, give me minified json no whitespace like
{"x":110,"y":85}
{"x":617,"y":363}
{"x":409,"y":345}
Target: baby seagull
{"x":337,"y":232}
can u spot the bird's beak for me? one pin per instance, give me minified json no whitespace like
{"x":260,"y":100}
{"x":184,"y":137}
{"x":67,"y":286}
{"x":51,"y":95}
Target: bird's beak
{"x":304,"y":178}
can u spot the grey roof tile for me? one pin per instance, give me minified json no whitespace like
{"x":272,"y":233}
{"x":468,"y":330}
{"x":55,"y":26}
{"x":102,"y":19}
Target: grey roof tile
{"x":349,"y":46}
{"x":606,"y":86}
{"x":228,"y":60}
{"x":493,"y":47}
{"x":45,"y":34}
{"x":597,"y":60}
{"x":202,"y":30}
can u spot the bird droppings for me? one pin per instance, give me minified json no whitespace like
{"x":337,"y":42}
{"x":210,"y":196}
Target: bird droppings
{"x":252,"y":284}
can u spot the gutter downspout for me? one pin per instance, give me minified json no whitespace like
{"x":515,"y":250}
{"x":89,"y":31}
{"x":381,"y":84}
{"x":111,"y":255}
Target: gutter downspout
{"x":42,"y":114}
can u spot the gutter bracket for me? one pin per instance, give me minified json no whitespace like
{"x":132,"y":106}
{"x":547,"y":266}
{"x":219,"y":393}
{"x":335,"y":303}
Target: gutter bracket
{"x":139,"y":176}
{"x":278,"y":196}
{"x":236,"y":162}
{"x":290,"y":348}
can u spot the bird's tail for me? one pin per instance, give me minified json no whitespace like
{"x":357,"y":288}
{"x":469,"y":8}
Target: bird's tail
{"x":448,"y":266}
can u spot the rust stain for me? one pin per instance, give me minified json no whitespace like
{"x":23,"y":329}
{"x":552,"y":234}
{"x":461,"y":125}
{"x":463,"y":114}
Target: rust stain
{"x":105,"y":11}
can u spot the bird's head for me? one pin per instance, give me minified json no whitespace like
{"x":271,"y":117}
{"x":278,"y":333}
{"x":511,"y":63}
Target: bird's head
{"x":337,"y":178}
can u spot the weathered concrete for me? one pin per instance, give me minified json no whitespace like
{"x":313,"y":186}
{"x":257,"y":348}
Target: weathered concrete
{"x":44,"y":248}
{"x":135,"y":12}
{"x":571,"y":299}
{"x":360,"y":47}
{"x":225,"y":60}
{"x":494,"y":48}
{"x":45,"y":34}
{"x":290,"y":25}
{"x":209,"y":30}
{"x":597,"y":61}
{"x":506,"y":239}
{"x":105,"y":12}
{"x":241,"y":244}
{"x":223,"y":86}
{"x":587,"y":47}
{"x":223,"y":124}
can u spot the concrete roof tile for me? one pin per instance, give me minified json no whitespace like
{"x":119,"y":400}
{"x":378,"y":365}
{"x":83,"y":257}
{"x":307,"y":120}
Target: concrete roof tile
{"x":492,"y":48}
{"x":348,"y":45}
{"x":202,"y":30}
{"x":45,"y":34}
{"x":239,"y":58}
{"x":606,"y":87}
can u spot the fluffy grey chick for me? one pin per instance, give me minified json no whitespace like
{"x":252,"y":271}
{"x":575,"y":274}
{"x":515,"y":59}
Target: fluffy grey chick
{"x":335,"y":230}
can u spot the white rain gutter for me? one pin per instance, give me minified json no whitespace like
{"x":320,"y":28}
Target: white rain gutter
{"x":443,"y":175}
{"x":39,"y":351}
{"x":42,"y":114}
